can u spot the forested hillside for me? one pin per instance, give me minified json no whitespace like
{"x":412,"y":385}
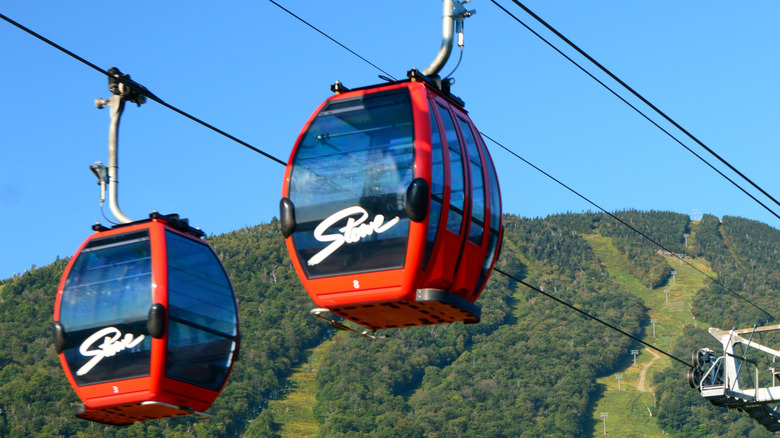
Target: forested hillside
{"x":530,"y":368}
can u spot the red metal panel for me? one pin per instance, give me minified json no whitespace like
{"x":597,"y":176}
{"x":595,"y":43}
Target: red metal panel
{"x":446,"y":252}
{"x":120,"y":401}
{"x":103,"y":393}
{"x":159,"y":295}
{"x":473,"y":257}
{"x":494,"y":196}
{"x":386,"y":298}
{"x":382,"y":285}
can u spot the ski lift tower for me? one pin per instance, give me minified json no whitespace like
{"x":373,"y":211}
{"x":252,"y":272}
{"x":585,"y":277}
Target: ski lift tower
{"x":720,"y":379}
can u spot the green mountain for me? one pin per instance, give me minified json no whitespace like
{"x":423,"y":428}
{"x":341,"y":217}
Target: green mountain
{"x":531,"y":368}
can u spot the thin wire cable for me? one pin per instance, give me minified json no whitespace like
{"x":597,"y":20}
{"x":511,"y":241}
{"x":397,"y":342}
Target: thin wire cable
{"x":588,"y":315}
{"x":716,"y":280}
{"x":640,"y":97}
{"x":329,"y":37}
{"x":640,"y":112}
{"x":157,"y":99}
{"x":460,"y":58}
{"x":559,"y":182}
{"x":564,"y":185}
{"x":147,"y":94}
{"x":103,"y":213}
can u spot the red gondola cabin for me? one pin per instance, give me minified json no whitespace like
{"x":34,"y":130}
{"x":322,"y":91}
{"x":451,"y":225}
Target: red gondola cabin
{"x":391,"y":207}
{"x":145,"y":322}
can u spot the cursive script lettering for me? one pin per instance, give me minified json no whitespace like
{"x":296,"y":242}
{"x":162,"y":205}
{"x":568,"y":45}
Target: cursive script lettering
{"x":353,"y":231}
{"x":112,"y":344}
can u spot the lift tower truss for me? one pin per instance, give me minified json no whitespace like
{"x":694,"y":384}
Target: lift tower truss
{"x":732,"y":380}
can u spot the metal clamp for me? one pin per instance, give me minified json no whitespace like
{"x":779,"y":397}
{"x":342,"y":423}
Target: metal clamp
{"x":319,"y":311}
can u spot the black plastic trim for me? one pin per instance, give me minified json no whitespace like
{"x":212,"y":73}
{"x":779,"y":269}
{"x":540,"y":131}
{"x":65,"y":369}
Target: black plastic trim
{"x":155,"y":325}
{"x":417,"y":195}
{"x":59,"y":337}
{"x":287,"y":217}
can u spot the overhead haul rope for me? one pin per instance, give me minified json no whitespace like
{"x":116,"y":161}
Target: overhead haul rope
{"x":332,"y":39}
{"x":556,"y":180}
{"x":648,"y":238}
{"x":643,"y":100}
{"x":558,"y":300}
{"x":156,"y":99}
{"x":575,"y":192}
{"x":640,"y":97}
{"x":142,"y":90}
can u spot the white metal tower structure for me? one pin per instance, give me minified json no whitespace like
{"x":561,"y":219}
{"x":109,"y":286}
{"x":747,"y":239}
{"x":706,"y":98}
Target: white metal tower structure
{"x":720,"y":379}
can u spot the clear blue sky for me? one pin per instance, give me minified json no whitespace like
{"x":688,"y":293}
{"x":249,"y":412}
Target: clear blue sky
{"x":254,"y":71}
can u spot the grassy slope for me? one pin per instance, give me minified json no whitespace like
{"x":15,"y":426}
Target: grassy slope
{"x":294,"y":410}
{"x":628,"y":409}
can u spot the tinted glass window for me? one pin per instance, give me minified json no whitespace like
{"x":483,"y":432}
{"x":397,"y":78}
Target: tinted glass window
{"x":495,"y":219}
{"x":477,"y":185}
{"x":437,"y":188}
{"x":107,"y":296}
{"x":203,"y":322}
{"x":457,"y":175}
{"x":199,"y":291}
{"x":348,"y":182}
{"x":495,"y":194}
{"x":198,"y":356}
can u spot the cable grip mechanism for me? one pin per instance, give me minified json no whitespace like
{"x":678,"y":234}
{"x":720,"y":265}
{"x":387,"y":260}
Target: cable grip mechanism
{"x":123,"y":89}
{"x":101,"y":172}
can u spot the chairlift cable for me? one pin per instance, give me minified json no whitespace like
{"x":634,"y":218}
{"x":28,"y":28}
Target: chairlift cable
{"x":84,"y":61}
{"x":331,"y":38}
{"x":144,"y":91}
{"x":567,"y":187}
{"x":588,"y":315}
{"x":661,"y":113}
{"x":648,"y":238}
